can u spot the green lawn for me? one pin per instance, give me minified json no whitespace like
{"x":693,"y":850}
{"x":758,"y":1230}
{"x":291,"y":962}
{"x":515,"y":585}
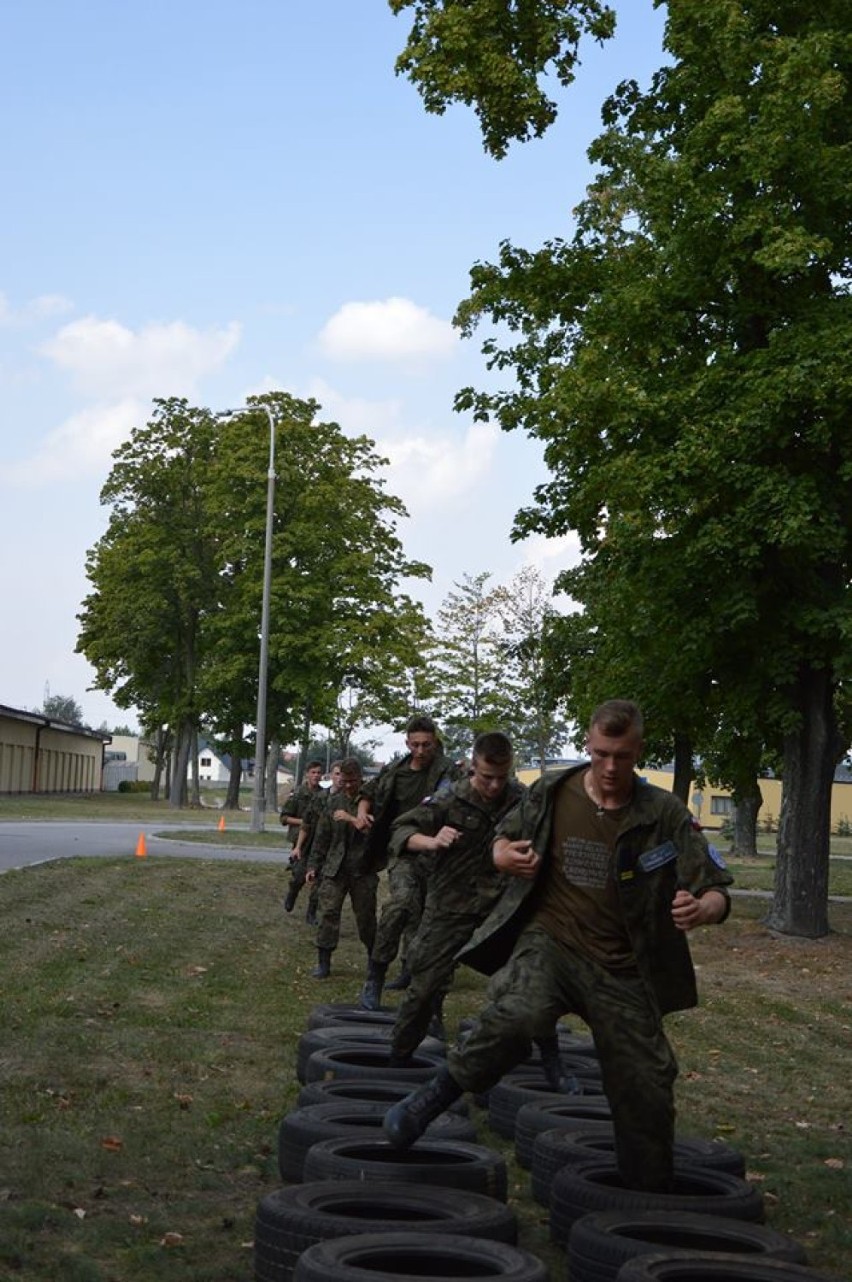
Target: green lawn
{"x":151,"y":1012}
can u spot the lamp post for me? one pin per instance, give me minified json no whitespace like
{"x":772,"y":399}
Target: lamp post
{"x":258,"y":805}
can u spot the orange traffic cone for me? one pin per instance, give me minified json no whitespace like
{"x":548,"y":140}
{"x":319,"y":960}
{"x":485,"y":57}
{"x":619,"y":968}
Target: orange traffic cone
{"x":141,"y":848}
{"x":221,"y":824}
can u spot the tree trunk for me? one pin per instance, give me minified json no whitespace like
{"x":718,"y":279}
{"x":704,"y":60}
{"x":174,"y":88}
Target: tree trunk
{"x":232,"y":796}
{"x":272,"y":758}
{"x":180,"y":764}
{"x":682,"y":767}
{"x":196,"y":781}
{"x":744,"y":837}
{"x":159,"y":762}
{"x":800,"y":903}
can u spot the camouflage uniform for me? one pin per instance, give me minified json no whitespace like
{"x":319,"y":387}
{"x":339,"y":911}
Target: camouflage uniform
{"x":406,"y":877}
{"x":339,"y":856}
{"x":658,"y":850}
{"x":463,"y":886}
{"x":297,"y":806}
{"x":325,"y":800}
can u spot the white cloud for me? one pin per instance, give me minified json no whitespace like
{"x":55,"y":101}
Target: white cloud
{"x":356,"y":414}
{"x":393,"y":329}
{"x":432,"y":473}
{"x":79,"y":447}
{"x":110,"y":361}
{"x":40,"y":308}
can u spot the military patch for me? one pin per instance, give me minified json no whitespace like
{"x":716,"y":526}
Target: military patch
{"x":716,"y":856}
{"x":651,"y":860}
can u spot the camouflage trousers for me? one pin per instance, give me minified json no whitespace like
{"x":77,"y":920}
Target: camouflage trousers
{"x":407,"y":878}
{"x":298,"y":872}
{"x":544,"y":980}
{"x":431,"y":960}
{"x":362,"y":889}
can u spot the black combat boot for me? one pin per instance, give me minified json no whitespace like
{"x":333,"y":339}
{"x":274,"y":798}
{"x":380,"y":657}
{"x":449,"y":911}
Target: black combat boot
{"x":436,"y":1023}
{"x":371,"y":993}
{"x":402,"y":980}
{"x":551,"y":1065}
{"x":322,"y":970}
{"x":406,"y":1121}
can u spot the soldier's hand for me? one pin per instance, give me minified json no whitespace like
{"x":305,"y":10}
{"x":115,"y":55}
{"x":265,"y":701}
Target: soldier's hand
{"x":517,"y":858}
{"x":689,"y":911}
{"x":310,"y":876}
{"x":446,"y":837}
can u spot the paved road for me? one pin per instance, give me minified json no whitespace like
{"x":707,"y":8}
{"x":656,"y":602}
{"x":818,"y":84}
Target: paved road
{"x":22,"y":844}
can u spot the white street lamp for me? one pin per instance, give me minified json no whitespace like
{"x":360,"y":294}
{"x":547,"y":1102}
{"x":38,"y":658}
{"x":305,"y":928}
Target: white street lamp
{"x":258,"y":805}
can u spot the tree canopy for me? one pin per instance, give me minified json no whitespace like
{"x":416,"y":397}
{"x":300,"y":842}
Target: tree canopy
{"x":683,"y":359}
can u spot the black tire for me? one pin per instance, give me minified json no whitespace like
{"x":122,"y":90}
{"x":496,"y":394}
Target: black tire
{"x":333,"y":1035}
{"x":596,"y":1186}
{"x":451,"y":1163}
{"x":512,"y":1092}
{"x":340,"y":1013}
{"x":366,"y":1061}
{"x":391,"y":1257}
{"x":290,"y":1220}
{"x":563,"y":1112}
{"x":715,"y":1268}
{"x":306,"y":1126}
{"x":367,"y":1090}
{"x":599,"y":1244}
{"x":557,"y":1148}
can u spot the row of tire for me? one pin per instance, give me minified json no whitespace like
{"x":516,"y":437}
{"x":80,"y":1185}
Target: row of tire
{"x":352,"y":1209}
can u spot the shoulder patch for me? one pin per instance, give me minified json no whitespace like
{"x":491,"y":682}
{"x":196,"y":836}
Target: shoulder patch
{"x":658,"y":857}
{"x":716,"y":856}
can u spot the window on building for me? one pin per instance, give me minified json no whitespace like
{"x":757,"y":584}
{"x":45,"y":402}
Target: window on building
{"x":721,"y":805}
{"x":206,"y":761}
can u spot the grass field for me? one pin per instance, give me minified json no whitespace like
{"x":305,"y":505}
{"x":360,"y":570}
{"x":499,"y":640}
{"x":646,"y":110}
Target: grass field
{"x":150,"y":1013}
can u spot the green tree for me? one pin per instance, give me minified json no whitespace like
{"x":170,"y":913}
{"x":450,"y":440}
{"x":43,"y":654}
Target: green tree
{"x":492,"y":55}
{"x":464,"y":664}
{"x":683,"y":359}
{"x":62,"y":707}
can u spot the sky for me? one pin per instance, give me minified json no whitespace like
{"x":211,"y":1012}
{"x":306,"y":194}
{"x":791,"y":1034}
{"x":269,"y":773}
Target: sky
{"x":217,"y":198}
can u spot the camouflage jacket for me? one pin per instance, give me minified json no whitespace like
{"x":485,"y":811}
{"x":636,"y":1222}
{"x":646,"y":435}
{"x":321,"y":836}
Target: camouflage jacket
{"x":659,"y":849}
{"x":462,"y":878}
{"x":380,"y":792}
{"x":297,"y":806}
{"x":336,"y":842}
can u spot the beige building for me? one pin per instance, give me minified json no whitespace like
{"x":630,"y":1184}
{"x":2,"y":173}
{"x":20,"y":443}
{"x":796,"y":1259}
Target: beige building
{"x":39,"y":754}
{"x":713,"y":805}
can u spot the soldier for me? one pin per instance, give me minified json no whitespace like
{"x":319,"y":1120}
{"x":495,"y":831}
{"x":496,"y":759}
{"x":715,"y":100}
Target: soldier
{"x":398,"y":788}
{"x":609,"y":874}
{"x":292,"y":815}
{"x":339,"y":855}
{"x":310,"y":823}
{"x":454,"y":829}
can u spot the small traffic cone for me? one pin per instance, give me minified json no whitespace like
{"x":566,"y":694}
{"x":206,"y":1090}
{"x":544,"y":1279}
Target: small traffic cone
{"x":141,"y":848}
{"x":221,"y":823}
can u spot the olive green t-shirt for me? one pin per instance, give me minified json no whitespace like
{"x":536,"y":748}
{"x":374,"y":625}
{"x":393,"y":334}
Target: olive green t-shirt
{"x":579,"y":904}
{"x":409,"y":789}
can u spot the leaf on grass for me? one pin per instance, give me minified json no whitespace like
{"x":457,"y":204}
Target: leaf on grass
{"x":196,"y":970}
{"x":183,"y":1100}
{"x":138,"y":1220}
{"x":112,"y":1143}
{"x":172,"y":1239}
{"x":803,"y":1126}
{"x":755,"y":1177}
{"x":79,"y":1212}
{"x":835,"y":1163}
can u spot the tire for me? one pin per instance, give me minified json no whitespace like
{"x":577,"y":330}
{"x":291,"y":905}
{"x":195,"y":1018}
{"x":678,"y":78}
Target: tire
{"x":367,"y":1090}
{"x":290,"y":1220}
{"x":599,"y":1244}
{"x":366,"y":1061}
{"x":563,"y":1112}
{"x":715,"y":1268}
{"x":596,"y":1186}
{"x":511,"y":1093}
{"x":391,"y":1257}
{"x":451,"y":1163}
{"x":333,"y":1035}
{"x":557,"y":1148}
{"x":306,"y":1126}
{"x":340,"y":1013}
